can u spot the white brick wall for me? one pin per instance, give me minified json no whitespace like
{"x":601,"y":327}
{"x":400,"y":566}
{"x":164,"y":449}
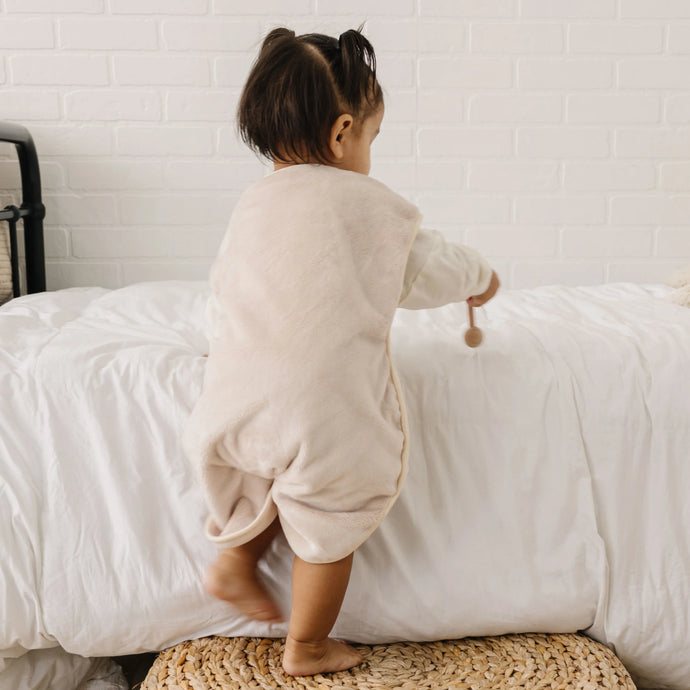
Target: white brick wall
{"x":553,"y":135}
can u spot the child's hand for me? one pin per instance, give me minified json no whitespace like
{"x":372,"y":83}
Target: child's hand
{"x":478,"y":300}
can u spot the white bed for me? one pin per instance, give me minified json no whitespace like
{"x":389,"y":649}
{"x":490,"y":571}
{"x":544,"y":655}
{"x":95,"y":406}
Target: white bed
{"x":548,"y":484}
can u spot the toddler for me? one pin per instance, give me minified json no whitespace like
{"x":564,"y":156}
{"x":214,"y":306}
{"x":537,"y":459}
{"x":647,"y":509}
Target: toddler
{"x":301,"y":424}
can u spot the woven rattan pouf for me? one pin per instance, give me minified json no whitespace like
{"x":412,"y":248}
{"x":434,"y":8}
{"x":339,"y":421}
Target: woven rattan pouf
{"x":509,"y":661}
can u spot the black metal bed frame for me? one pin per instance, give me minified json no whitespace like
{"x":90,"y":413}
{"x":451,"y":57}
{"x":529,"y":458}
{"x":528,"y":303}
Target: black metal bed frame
{"x":31,"y":211}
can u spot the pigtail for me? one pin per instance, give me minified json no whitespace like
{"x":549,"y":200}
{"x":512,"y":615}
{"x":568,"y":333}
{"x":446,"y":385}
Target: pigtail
{"x":297,"y":88}
{"x":288,"y":103}
{"x":355,"y":70}
{"x":275,"y":35}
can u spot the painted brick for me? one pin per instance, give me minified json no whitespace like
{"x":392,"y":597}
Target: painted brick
{"x":514,"y":177}
{"x":560,"y":74}
{"x":650,"y":210}
{"x":112,"y":104}
{"x":520,"y":38}
{"x":50,"y":7}
{"x":560,"y":210}
{"x":29,"y":105}
{"x":164,"y":141}
{"x":211,"y":34}
{"x":535,"y":273}
{"x":673,"y":242}
{"x":514,"y":241}
{"x":493,"y":108}
{"x":614,"y":108}
{"x":68,"y":274}
{"x":395,"y":141}
{"x":116,"y":175}
{"x":641,"y":271}
{"x":264,"y":7}
{"x":465,"y":73}
{"x":107,"y":34}
{"x":437,"y":37}
{"x":26,"y":34}
{"x":66,"y":140}
{"x":199,"y":106}
{"x":613,"y":176}
{"x":52,"y":175}
{"x":556,"y":9}
{"x":10,"y":175}
{"x":606,"y":242}
{"x":396,"y":71}
{"x":193,"y":242}
{"x":679,"y":38}
{"x":166,"y":209}
{"x":550,"y":134}
{"x":79,"y":209}
{"x":675,"y":177}
{"x":366,"y":8}
{"x":465,"y":142}
{"x":396,"y":174}
{"x":159,"y":6}
{"x":459,"y":210}
{"x":232,"y":70}
{"x":616,"y":38}
{"x":211,"y":174}
{"x":135,"y":272}
{"x":59,"y":69}
{"x":648,"y":9}
{"x":161,"y":69}
{"x":654,"y":74}
{"x":230,"y":144}
{"x":57,"y":244}
{"x":563,"y":142}
{"x":400,"y":107}
{"x":441,"y":175}
{"x":95,"y":243}
{"x":472,"y":9}
{"x":444,"y":106}
{"x":638,"y":210}
{"x":652,"y":143}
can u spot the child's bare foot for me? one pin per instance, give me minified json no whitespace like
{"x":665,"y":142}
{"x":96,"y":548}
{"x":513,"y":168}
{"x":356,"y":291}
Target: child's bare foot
{"x":325,"y":656}
{"x":233,"y":578}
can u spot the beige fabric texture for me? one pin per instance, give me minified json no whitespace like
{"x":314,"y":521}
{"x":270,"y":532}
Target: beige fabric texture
{"x":5,"y":265}
{"x":301,"y":414}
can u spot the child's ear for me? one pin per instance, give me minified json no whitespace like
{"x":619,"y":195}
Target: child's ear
{"x":340,"y":131}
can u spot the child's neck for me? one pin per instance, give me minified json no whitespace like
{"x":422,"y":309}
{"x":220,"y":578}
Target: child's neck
{"x":279,"y":165}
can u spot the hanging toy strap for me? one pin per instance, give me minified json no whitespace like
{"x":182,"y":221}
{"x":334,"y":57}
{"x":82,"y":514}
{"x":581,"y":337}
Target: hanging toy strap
{"x":473,"y":335}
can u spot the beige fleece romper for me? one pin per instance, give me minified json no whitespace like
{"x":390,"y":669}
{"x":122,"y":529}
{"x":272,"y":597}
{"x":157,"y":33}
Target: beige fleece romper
{"x":301,"y":413}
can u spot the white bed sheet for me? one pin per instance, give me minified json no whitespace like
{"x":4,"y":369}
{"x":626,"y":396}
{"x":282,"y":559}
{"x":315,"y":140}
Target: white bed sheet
{"x":547,"y":490}
{"x":51,"y":668}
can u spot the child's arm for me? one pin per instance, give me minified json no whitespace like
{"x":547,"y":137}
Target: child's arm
{"x":440,"y":272}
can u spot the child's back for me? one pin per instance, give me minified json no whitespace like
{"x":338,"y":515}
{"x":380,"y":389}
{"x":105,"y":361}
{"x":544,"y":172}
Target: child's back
{"x":301,"y":424}
{"x":299,"y":389}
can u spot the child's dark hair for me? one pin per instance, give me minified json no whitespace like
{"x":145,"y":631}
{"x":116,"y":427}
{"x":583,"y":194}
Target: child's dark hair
{"x":299,"y":86}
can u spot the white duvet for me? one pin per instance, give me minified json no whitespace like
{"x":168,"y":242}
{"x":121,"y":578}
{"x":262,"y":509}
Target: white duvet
{"x":547,"y":491}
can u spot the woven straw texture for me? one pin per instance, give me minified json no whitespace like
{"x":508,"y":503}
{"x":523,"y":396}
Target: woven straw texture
{"x":509,"y":661}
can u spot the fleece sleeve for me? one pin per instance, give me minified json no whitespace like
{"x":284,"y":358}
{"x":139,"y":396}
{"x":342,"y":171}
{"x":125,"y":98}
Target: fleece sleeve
{"x":440,"y":272}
